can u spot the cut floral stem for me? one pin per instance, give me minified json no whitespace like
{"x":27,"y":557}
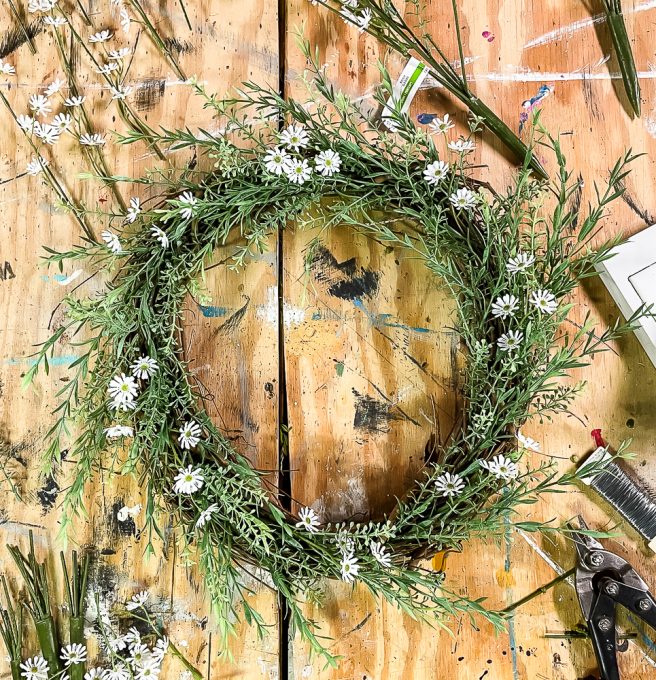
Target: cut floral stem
{"x":622,"y":45}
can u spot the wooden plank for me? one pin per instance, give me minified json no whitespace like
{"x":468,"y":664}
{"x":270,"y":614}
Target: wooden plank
{"x":532,"y":44}
{"x":224,"y":47}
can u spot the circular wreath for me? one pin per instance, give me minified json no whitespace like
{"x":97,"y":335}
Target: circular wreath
{"x":509,"y":262}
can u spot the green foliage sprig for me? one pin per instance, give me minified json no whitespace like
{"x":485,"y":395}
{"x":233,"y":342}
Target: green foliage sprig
{"x":494,"y":251}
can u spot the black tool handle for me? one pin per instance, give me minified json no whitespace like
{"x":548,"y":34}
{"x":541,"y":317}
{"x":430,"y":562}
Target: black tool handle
{"x":640,"y":602}
{"x":602,"y":631}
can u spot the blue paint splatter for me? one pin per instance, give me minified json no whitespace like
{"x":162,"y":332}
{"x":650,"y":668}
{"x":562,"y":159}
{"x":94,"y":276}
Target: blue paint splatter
{"x":645,"y":639}
{"x":386,"y":320}
{"x":61,"y":360}
{"x":426,"y":118}
{"x":57,"y":277}
{"x":533,"y":103}
{"x":212,"y":312}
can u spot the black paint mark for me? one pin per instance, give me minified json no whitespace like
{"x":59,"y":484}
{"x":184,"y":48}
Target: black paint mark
{"x":179,"y":46}
{"x":643,"y":214}
{"x":233,"y":321}
{"x":148,"y":93}
{"x":15,"y":37}
{"x":345,"y":280}
{"x":118,"y":529}
{"x":6,"y":272}
{"x":268,"y":388}
{"x":50,"y":489}
{"x":372,"y":415}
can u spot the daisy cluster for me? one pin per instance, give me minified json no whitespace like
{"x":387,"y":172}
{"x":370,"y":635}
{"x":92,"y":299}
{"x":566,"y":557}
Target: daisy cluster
{"x":132,"y":660}
{"x":56,"y":110}
{"x":285,"y":159}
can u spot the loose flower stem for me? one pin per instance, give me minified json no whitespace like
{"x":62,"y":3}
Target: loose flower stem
{"x":23,"y":26}
{"x":541,"y":590}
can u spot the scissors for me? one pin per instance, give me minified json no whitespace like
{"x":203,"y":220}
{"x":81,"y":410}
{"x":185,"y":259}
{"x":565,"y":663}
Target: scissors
{"x":603,"y":581}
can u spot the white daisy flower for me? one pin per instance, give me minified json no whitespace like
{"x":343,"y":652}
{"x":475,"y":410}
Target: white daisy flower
{"x":363,"y":20}
{"x":36,"y":165}
{"x":74,"y":101}
{"x":520,"y":262}
{"x":54,"y":21}
{"x":160,"y":648}
{"x":450,"y":484}
{"x":139,"y":653}
{"x":112,"y":241}
{"x":501,"y":467}
{"x":6,"y":68}
{"x":133,"y":210}
{"x":544,"y":300}
{"x":100,"y":37}
{"x":93,"y":674}
{"x":188,"y":481}
{"x":108,"y":68}
{"x":161,"y":236}
{"x":276,"y":161}
{"x":92,"y":140}
{"x":119,"y":672}
{"x":206,"y":515}
{"x":298,"y":171}
{"x":123,"y":388}
{"x":54,"y":87}
{"x":73,"y":654}
{"x":309,"y":520}
{"x":148,"y":669}
{"x":137,"y":601}
{"x":116,"y":431}
{"x":25,"y":122}
{"x":39,"y":104}
{"x":190,"y":434}
{"x":505,"y":306}
{"x":379,"y":551}
{"x":144,"y":367}
{"x":35,"y":668}
{"x":62,"y":121}
{"x":442,"y":125}
{"x":463,"y":199}
{"x":435,"y":172}
{"x":133,"y":635}
{"x":350,"y":568}
{"x":49,"y":134}
{"x":527,"y":442}
{"x":117,"y":644}
{"x":328,"y":163}
{"x":118,"y":405}
{"x":117,"y":55}
{"x":294,"y":137}
{"x":189,"y":201}
{"x":510,"y":341}
{"x":40,"y":5}
{"x":122,"y":91}
{"x":462,"y":145}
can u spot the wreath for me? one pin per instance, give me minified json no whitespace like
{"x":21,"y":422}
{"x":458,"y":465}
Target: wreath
{"x":510,"y":263}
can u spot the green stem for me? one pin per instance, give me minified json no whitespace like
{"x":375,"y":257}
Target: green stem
{"x":15,"y":670}
{"x":539,"y":591}
{"x":45,"y":630}
{"x":183,"y":660}
{"x":625,"y":58}
{"x":25,"y":29}
{"x":76,"y":636}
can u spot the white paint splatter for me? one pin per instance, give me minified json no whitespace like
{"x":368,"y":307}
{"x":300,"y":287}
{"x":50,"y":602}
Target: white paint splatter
{"x":291,"y":315}
{"x":581,"y":24}
{"x":268,"y":312}
{"x":650,"y":125}
{"x":70,"y":279}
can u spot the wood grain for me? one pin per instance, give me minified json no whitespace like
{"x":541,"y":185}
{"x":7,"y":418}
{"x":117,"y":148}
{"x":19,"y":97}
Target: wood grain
{"x":368,"y":355}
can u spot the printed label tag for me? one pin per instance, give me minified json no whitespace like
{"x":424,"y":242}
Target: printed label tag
{"x":405,"y":89}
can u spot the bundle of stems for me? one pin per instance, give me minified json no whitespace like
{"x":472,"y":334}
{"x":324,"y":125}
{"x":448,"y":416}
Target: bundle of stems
{"x":622,"y":45}
{"x":389,"y":26}
{"x":76,"y":593}
{"x":11,"y":630}
{"x":38,"y":603}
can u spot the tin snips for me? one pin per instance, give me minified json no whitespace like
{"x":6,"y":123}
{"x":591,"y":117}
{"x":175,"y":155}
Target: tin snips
{"x":603,"y":581}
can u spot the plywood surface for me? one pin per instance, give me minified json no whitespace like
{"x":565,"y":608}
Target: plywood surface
{"x":359,"y":334}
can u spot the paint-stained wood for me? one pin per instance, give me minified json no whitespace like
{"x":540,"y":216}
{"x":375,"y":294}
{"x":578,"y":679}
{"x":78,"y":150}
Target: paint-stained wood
{"x":369,"y":359}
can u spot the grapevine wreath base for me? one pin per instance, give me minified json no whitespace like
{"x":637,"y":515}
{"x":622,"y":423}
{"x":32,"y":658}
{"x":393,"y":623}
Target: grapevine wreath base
{"x":510,"y":263}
